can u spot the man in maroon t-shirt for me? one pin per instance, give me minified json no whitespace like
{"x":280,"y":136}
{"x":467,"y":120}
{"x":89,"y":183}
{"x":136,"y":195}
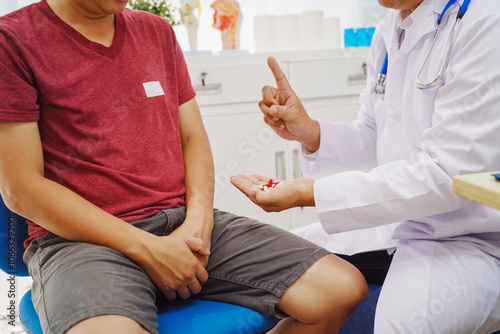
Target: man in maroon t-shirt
{"x":105,"y":153}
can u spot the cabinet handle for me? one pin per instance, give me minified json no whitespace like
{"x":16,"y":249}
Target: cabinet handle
{"x":204,"y":88}
{"x":358,"y":79}
{"x":297,"y":171}
{"x":280,"y":165}
{"x":208,"y":89}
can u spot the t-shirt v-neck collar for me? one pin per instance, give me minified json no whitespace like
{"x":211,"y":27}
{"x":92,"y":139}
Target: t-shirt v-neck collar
{"x":111,"y":52}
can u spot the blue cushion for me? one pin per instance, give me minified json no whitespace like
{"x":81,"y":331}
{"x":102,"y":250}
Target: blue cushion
{"x":182,"y":317}
{"x":187,"y":316}
{"x":207,"y":317}
{"x":373,"y":287}
{"x":28,"y":315}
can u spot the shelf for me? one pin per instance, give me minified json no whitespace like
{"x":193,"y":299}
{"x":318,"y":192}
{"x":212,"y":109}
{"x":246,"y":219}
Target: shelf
{"x":481,"y":187}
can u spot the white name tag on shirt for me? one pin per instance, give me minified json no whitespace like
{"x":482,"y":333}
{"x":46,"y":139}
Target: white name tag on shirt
{"x":153,"y":89}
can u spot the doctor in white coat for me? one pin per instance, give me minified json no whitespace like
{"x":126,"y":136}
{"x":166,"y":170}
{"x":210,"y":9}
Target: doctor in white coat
{"x":445,"y":273}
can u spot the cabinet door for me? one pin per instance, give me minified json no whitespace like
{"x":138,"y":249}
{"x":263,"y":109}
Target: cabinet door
{"x":328,"y":85}
{"x":328,"y":89}
{"x":229,"y":80}
{"x":329,"y":77}
{"x":334,"y":110}
{"x":243,"y":144}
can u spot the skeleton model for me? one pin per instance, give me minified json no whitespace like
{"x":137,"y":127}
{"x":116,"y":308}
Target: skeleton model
{"x":190,"y":15}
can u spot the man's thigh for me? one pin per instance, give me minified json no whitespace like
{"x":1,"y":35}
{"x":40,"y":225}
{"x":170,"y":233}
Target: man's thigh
{"x":252,"y":264}
{"x":440,"y":287}
{"x":74,"y":281}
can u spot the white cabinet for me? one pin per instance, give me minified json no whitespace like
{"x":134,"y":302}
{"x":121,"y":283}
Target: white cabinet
{"x":328,"y":82}
{"x":243,"y":144}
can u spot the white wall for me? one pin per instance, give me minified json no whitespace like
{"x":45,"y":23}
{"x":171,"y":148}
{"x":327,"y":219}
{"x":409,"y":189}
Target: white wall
{"x":353,"y":13}
{"x":6,"y":6}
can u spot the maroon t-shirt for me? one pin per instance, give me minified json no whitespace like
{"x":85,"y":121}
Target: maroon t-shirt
{"x":108,"y":116}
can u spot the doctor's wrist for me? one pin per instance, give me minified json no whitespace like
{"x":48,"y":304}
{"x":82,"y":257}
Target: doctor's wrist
{"x":311,"y":137}
{"x":306,"y":192}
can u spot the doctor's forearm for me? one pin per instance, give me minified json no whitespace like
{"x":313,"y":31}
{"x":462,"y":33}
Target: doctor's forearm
{"x":308,"y":193}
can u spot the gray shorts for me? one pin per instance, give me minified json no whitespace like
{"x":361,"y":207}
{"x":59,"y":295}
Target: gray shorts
{"x":251,"y":264}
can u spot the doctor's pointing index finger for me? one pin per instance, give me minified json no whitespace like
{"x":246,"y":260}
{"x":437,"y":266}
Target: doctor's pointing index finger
{"x":287,"y":116}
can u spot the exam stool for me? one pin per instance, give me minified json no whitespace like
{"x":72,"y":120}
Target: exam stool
{"x":177,"y":317}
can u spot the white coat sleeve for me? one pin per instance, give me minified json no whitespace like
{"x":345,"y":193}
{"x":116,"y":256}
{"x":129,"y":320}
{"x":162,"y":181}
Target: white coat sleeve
{"x":462,"y":138}
{"x":346,"y":146}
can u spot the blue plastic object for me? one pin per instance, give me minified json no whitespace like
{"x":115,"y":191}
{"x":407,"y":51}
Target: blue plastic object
{"x":28,"y":315}
{"x":179,"y":317}
{"x":350,"y":38}
{"x":13,"y":232}
{"x":373,"y":287}
{"x":206,"y":317}
{"x":359,"y":37}
{"x":183,"y":317}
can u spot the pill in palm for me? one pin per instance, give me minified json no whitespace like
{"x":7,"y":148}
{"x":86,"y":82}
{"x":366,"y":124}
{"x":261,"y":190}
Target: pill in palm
{"x":269,"y":185}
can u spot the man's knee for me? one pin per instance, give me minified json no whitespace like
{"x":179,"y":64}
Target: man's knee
{"x":330,"y":287}
{"x":346,"y":283}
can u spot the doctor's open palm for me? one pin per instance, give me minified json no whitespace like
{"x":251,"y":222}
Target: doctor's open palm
{"x":284,"y":112}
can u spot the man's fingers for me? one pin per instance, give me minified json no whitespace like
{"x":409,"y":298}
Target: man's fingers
{"x":281,"y":80}
{"x":197,"y":245}
{"x":202,"y":276}
{"x":194,"y":287}
{"x":183,"y":292}
{"x":170,"y":294}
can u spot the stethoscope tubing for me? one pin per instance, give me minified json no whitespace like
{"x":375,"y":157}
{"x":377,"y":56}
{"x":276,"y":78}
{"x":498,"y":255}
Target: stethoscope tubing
{"x":434,"y":83}
{"x":379,"y":86}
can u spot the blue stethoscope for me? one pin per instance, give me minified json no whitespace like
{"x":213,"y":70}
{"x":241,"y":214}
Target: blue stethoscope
{"x":378,"y":86}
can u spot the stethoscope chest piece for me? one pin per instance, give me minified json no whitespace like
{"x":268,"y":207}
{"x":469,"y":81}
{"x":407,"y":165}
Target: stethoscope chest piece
{"x":378,"y":86}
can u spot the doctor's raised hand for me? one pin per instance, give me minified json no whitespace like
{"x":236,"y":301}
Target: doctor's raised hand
{"x":284,"y":113}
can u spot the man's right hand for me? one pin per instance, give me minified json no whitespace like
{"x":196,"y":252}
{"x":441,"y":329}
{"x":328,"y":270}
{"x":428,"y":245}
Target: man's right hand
{"x":284,"y":112}
{"x":170,"y":263}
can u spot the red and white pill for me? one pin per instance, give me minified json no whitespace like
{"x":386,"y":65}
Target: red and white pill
{"x":269,"y":185}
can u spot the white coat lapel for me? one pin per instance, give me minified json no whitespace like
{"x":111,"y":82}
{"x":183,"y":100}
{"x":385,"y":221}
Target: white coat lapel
{"x":423,"y":25}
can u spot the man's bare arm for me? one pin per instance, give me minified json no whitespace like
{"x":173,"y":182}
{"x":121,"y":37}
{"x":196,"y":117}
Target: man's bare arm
{"x":199,"y":167}
{"x":27,"y":192}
